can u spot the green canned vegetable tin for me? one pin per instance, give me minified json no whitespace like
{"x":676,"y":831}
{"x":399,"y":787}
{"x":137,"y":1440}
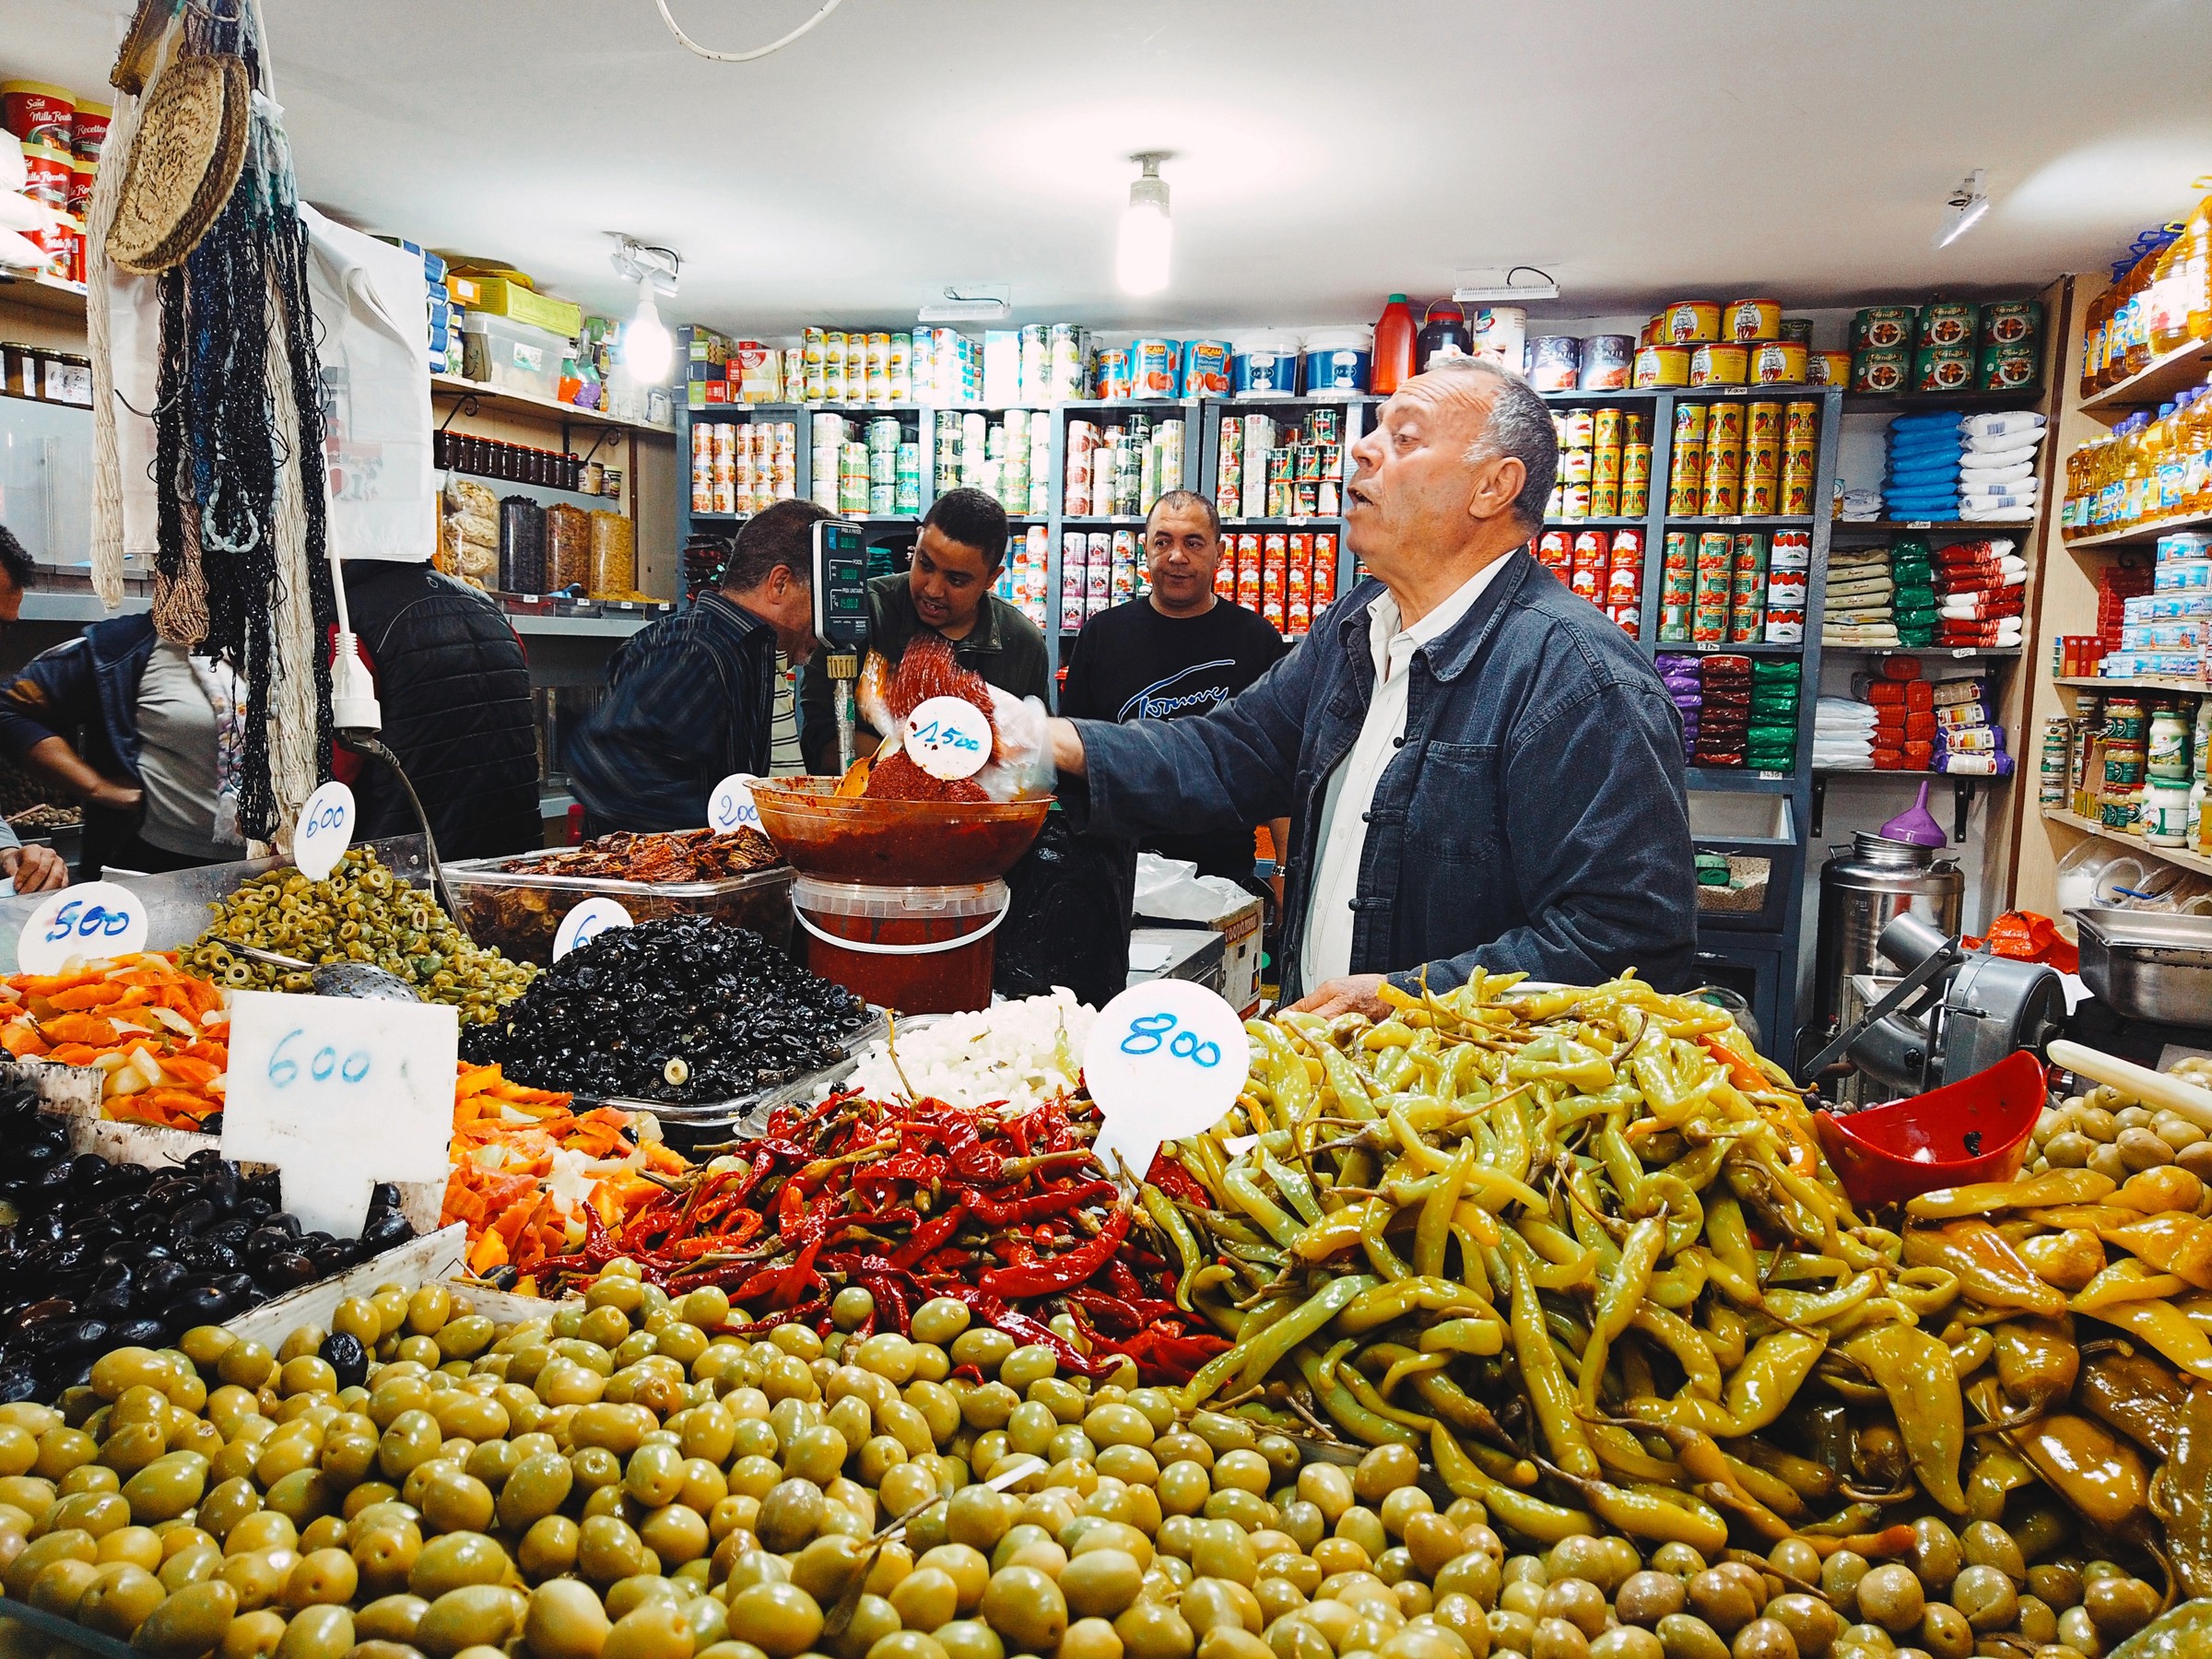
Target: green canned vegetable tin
{"x":1886,"y":327}
{"x":1950,"y":323}
{"x":1880,"y":369}
{"x":1943,"y":368}
{"x":2006,"y":368}
{"x":2012,"y":322}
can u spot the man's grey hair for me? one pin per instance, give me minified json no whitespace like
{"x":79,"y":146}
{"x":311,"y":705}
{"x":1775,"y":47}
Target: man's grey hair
{"x":1520,"y":425}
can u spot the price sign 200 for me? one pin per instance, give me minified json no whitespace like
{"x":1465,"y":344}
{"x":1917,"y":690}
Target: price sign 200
{"x":1147,"y":1031}
{"x":284,"y":1070}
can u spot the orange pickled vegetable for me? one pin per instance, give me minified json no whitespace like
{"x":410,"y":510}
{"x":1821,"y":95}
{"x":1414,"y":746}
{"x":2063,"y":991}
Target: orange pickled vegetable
{"x":122,"y":1016}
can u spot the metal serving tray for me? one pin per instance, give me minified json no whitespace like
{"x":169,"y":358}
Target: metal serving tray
{"x":2149,"y":965}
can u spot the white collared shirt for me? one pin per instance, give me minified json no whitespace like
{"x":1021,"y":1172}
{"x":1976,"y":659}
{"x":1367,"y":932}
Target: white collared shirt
{"x":1326,"y":953}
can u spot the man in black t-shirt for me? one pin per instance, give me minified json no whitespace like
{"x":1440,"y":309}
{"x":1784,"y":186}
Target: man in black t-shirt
{"x":1181,"y":650}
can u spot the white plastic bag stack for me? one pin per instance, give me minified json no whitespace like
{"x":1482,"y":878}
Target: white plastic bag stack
{"x":1997,"y":481}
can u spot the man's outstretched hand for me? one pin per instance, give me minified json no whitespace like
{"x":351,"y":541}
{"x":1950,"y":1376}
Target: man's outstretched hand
{"x":1356,"y":994}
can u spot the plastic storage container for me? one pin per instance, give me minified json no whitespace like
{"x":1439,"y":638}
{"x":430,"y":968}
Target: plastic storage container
{"x":916,"y":949}
{"x":520,"y":910}
{"x":511,"y":356}
{"x":1266,"y":365}
{"x":1338,"y":359}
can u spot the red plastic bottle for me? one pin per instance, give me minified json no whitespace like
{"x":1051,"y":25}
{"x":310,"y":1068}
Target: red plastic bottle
{"x":1394,"y":347}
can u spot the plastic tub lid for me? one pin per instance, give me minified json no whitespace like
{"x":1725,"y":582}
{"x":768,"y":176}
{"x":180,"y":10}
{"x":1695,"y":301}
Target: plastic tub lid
{"x":1359,"y":338}
{"x":897,"y":903}
{"x":1269,"y":339}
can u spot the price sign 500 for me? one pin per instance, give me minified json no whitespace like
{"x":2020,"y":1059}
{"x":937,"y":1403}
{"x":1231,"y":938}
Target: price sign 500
{"x":79,"y":919}
{"x":325,"y":1063}
{"x":97,"y":918}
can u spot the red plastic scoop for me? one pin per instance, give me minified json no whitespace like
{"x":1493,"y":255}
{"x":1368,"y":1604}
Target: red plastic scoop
{"x":1973,"y":1130}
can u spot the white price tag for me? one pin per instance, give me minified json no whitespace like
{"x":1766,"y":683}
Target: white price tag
{"x":948,"y":737}
{"x":92,"y":919}
{"x":325,"y":831}
{"x":731,"y":806}
{"x":586,"y":922}
{"x":340,"y":1094}
{"x":1165,"y":1059}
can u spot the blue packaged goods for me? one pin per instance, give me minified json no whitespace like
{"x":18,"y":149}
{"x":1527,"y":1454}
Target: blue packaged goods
{"x":1266,"y":365}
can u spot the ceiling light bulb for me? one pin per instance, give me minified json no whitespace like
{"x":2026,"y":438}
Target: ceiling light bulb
{"x":648,"y":352}
{"x":1148,"y":234}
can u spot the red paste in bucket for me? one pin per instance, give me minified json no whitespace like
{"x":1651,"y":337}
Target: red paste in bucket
{"x":914,"y":950}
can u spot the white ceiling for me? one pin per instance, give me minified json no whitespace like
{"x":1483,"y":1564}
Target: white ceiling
{"x":1328,"y":150}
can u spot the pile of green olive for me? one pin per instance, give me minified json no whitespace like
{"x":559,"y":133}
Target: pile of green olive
{"x":360,"y":912}
{"x":630,"y":1479}
{"x":2111,"y":1132}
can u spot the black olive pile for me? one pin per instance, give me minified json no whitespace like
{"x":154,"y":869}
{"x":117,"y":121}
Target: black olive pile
{"x":679,"y":1009}
{"x":95,"y":1254}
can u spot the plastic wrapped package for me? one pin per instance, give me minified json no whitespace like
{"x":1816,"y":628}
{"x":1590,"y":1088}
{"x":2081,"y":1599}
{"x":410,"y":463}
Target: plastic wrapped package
{"x":613,"y":573}
{"x":471,"y":523}
{"x":567,"y":548}
{"x":522,"y":546}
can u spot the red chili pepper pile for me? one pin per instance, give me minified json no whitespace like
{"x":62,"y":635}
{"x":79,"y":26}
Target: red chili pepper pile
{"x":913,"y":1201}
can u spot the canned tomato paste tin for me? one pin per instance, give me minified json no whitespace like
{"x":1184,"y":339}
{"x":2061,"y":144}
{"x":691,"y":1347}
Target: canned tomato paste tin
{"x":1689,"y":323}
{"x":1635,"y":463}
{"x":1778,"y":363}
{"x":1663,"y":366}
{"x":1555,"y":362}
{"x":1578,"y":428}
{"x":1827,"y":368}
{"x":1154,"y":367}
{"x":1884,"y":326}
{"x":38,"y":114}
{"x":1880,"y":369}
{"x":1752,"y":320}
{"x":1713,"y":365}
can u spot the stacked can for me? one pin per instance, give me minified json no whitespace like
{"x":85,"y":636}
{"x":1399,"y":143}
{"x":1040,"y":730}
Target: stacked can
{"x":1570,"y":494}
{"x":1275,"y":557}
{"x":709,"y":443}
{"x":1762,"y":460}
{"x":1721,"y":493}
{"x":1228,"y":472}
{"x":1624,"y":581}
{"x":1008,"y":445}
{"x":1713,"y":589}
{"x":852,"y":487}
{"x":1677,"y":588}
{"x":1299,"y":588}
{"x":829,"y":442}
{"x":1800,"y":458}
{"x":1586,"y":569}
{"x":1324,"y":570}
{"x":1083,"y":441}
{"x":2051,"y":779}
{"x":1125,"y":583}
{"x":883,"y":434}
{"x":1224,"y":568}
{"x":1555,"y":552}
{"x":1635,"y":463}
{"x":1789,"y":570}
{"x":1248,"y":576}
{"x":946,"y":471}
{"x":1074,"y":554}
{"x":1686,"y":462}
{"x":1747,"y":589}
{"x":907,"y":491}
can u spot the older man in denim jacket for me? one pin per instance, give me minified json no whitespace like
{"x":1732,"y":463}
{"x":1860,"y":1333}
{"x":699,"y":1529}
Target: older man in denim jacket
{"x":1481,"y":770}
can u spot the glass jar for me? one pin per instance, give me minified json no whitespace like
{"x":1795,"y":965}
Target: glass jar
{"x":2169,"y":759}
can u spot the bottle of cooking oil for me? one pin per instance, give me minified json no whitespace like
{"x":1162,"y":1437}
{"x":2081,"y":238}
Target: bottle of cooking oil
{"x":2173,"y":456}
{"x":2183,"y":289}
{"x":2088,"y":514}
{"x":2196,"y":454}
{"x":2121,"y":471}
{"x":2096,"y":319}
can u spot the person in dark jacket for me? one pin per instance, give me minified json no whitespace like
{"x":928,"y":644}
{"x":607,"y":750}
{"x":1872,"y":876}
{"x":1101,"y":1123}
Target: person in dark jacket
{"x":1481,"y":770}
{"x":691,"y":699}
{"x":454,"y":690}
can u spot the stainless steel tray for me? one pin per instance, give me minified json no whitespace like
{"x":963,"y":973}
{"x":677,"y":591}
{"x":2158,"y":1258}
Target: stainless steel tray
{"x":2149,"y":965}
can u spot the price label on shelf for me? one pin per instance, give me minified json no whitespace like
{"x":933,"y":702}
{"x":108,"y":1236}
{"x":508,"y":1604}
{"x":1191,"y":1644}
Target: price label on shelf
{"x":340,"y":1093}
{"x":1166,"y":1058}
{"x":731,"y":806}
{"x":325,"y":831}
{"x":1920,"y":524}
{"x":92,"y":919}
{"x":948,"y":737}
{"x":586,"y":922}
{"x":1772,"y":777}
{"x":1964,"y":652}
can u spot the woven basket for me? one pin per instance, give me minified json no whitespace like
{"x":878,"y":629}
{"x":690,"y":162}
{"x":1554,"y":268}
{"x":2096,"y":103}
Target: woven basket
{"x":190,"y":151}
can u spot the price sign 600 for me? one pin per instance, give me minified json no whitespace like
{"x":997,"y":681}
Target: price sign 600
{"x":325,"y":1063}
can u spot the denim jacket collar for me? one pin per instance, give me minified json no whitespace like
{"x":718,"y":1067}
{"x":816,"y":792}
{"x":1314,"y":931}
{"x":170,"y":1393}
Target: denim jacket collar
{"x":1451,"y":652}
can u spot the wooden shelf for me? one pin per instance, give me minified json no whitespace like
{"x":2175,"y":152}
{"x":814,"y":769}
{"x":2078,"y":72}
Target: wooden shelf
{"x":43,"y":293}
{"x":524,"y":402}
{"x":2153,"y":384}
{"x":2172,"y":855}
{"x":2081,"y":682}
{"x":2142,"y":534}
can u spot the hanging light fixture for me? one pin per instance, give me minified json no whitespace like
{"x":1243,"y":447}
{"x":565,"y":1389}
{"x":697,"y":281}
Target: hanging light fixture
{"x":1148,"y":234}
{"x":1967,"y":203}
{"x":648,"y":348}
